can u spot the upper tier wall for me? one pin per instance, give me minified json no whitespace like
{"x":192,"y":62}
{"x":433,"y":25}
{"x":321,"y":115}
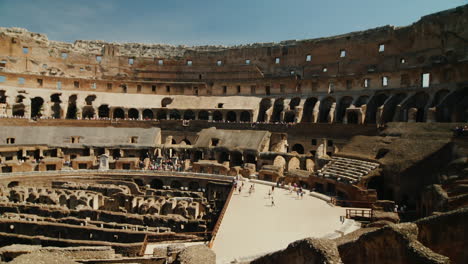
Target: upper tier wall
{"x":437,"y":39}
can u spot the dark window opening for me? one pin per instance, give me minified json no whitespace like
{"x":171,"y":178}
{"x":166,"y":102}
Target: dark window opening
{"x":214,"y":142}
{"x":76,"y":84}
{"x":40,"y":82}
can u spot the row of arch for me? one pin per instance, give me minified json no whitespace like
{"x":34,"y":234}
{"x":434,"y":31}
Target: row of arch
{"x":450,"y":106}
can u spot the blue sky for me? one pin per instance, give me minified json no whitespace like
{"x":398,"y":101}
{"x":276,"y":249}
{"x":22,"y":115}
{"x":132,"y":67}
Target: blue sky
{"x":210,"y":22}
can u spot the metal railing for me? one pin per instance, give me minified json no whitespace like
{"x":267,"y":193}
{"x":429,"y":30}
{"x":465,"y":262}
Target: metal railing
{"x":359,"y":213}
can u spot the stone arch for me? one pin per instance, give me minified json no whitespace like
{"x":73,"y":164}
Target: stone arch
{"x":298,"y":148}
{"x":289,"y":116}
{"x":294,"y":164}
{"x":87,"y":112}
{"x":18,"y":108}
{"x":236,"y":158}
{"x":189,"y":115}
{"x":362,"y":100}
{"x":56,"y":109}
{"x":185,"y":142}
{"x":442,"y":113}
{"x":174,"y":114}
{"x":265,"y":104}
{"x":193,"y":186}
{"x":217,"y":116}
{"x":307,"y":113}
{"x":148,"y":114}
{"x":36,"y":107}
{"x":325,"y":107}
{"x":231,"y":116}
{"x":222,"y":156}
{"x":280,"y":162}
{"x":418,"y":101}
{"x":245,"y":116}
{"x":344,"y":103}
{"x":310,"y":165}
{"x":175,"y":184}
{"x":3,"y":97}
{"x":103,"y":111}
{"x":372,"y":106}
{"x":161,"y":114}
{"x":278,"y":108}
{"x":353,"y":117}
{"x":203,"y":115}
{"x":119,"y":113}
{"x":166,"y":101}
{"x":156,"y":184}
{"x":90,"y":99}
{"x":294,"y":103}
{"x":390,"y":107}
{"x":72,"y":110}
{"x":133,"y":113}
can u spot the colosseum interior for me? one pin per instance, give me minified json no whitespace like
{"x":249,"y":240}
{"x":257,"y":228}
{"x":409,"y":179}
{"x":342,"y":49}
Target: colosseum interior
{"x":136,"y":153}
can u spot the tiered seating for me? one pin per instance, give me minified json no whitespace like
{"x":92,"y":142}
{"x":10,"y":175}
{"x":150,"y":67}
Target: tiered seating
{"x":347,"y":170}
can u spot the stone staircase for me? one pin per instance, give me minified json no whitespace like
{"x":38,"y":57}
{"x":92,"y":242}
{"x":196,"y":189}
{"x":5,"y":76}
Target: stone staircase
{"x":347,"y":170}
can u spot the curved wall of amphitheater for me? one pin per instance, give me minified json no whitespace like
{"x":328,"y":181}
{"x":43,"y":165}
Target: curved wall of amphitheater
{"x":412,"y":73}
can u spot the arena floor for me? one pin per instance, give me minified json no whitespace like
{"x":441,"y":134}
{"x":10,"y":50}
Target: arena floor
{"x":253,"y":227}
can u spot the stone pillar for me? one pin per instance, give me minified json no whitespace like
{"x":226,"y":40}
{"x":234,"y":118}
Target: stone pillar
{"x":224,"y":113}
{"x":103,"y":162}
{"x":412,"y":113}
{"x":210,"y":115}
{"x":316,"y":112}
{"x":168,"y":114}
{"x":238,"y":114}
{"x":331,"y":114}
{"x":431,"y":115}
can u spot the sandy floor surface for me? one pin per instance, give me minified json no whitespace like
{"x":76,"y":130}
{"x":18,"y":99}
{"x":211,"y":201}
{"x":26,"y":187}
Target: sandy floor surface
{"x":252,"y":226}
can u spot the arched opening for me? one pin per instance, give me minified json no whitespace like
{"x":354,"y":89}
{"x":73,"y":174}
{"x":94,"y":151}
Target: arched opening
{"x":161,"y":115}
{"x":250,"y":158}
{"x":289,"y":116}
{"x":265,"y":104}
{"x":166,"y":101}
{"x":217,"y":116}
{"x":56,"y":109}
{"x":294,"y":103}
{"x":345,"y":102}
{"x":87,"y":112}
{"x":390,"y":107}
{"x":36,"y":107}
{"x":148,"y":114}
{"x":119,"y":113}
{"x":72,"y":110}
{"x":18,"y":108}
{"x":245,"y":116}
{"x":278,"y":107}
{"x":353,"y":117}
{"x":193,"y":186}
{"x":203,"y":115}
{"x":176,"y":184}
{"x":362,"y":100}
{"x":231,"y":116}
{"x":223,"y":156}
{"x":156,"y":184}
{"x":189,"y":115}
{"x":174,"y":115}
{"x":185,"y":142}
{"x":90,"y":99}
{"x":442,"y":113}
{"x":325,"y":107}
{"x":372,"y":106}
{"x":418,"y":101}
{"x":103,"y":111}
{"x":133,"y":113}
{"x":307,"y":113}
{"x":455,"y":106}
{"x":377,"y":183}
{"x":3,"y":97}
{"x":197,"y":155}
{"x":236,"y":159}
{"x":298,"y":148}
